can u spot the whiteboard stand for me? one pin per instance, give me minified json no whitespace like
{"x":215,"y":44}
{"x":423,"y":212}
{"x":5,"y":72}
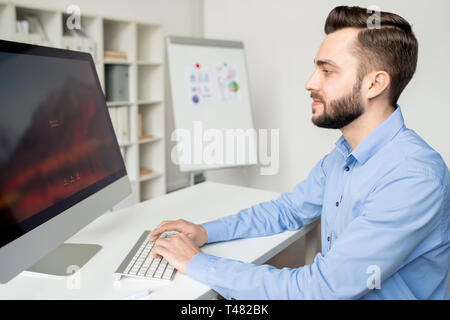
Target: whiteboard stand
{"x":193,"y":175}
{"x":191,"y":179}
{"x":246,"y":179}
{"x":209,"y":90}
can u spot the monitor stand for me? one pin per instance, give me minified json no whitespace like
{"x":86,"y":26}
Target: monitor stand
{"x":65,"y":259}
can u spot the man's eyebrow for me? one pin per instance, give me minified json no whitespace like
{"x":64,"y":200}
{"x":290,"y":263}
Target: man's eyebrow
{"x":325,"y":62}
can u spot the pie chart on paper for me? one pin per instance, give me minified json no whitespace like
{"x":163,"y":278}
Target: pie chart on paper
{"x":233,"y":86}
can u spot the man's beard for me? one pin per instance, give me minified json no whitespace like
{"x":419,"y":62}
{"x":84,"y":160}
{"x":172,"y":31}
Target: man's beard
{"x":340,"y":112}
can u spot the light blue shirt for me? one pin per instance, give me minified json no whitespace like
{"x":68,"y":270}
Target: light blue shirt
{"x":384,"y":211}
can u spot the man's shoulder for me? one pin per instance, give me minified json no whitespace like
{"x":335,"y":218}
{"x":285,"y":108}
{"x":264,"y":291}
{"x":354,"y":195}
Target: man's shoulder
{"x":413,"y":154}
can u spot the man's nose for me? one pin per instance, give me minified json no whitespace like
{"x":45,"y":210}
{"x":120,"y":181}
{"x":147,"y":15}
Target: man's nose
{"x":312,"y":84}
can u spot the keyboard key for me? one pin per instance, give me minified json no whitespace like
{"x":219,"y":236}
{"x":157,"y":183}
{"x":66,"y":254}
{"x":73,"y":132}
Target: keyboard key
{"x":167,"y":276}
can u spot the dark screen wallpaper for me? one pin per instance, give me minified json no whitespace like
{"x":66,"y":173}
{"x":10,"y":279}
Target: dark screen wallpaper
{"x":55,"y":136}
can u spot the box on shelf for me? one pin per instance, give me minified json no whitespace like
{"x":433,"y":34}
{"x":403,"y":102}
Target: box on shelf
{"x":145,"y":172}
{"x":111,"y":55}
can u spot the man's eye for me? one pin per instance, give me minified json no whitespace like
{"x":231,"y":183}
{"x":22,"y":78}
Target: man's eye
{"x":326,"y":71}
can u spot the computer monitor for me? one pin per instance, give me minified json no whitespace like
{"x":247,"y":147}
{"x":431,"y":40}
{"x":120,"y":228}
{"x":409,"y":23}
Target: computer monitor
{"x":60,"y":163}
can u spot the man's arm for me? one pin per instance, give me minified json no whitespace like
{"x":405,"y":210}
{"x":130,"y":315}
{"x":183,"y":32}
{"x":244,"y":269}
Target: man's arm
{"x":290,"y":211}
{"x":400,"y":213}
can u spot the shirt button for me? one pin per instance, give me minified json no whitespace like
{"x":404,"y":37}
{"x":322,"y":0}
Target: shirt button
{"x":337,"y":203}
{"x":347,"y":168}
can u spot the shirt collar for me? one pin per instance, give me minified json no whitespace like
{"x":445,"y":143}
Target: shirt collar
{"x":375,"y":140}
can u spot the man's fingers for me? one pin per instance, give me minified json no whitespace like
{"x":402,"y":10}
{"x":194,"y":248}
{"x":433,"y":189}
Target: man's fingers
{"x":160,"y":248}
{"x":166,"y":226}
{"x":163,"y":227}
{"x":159,"y":252}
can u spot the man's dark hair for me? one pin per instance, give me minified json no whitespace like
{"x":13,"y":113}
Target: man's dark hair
{"x":392,"y":47}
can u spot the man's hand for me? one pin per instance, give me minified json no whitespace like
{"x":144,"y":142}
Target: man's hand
{"x":193,"y":231}
{"x":177,"y":250}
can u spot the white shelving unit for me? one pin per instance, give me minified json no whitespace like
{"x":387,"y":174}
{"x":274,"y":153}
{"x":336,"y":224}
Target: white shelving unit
{"x":144,"y":153}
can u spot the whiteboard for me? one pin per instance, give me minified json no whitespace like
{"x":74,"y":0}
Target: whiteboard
{"x":211,"y":102}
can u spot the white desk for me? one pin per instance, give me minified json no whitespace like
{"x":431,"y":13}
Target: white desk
{"x":118,"y":231}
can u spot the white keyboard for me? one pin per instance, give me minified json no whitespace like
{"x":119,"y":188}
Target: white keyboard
{"x":140,"y":262}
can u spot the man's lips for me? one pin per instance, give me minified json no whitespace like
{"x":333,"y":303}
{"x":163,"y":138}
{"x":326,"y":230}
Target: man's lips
{"x":316,"y":102}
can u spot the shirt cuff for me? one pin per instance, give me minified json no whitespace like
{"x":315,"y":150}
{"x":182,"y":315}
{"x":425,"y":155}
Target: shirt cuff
{"x":216,"y":230}
{"x":200,"y":266}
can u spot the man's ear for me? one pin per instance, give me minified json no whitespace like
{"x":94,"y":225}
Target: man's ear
{"x":377,"y":83}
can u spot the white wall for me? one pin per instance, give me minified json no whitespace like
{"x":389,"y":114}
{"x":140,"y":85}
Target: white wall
{"x":281,"y":39}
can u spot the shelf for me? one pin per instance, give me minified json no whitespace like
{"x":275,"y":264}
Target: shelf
{"x":129,"y":103}
{"x":118,"y":36}
{"x":150,"y":117}
{"x":50,"y":22}
{"x":149,"y":63}
{"x":148,"y":174}
{"x":150,"y":82}
{"x":149,"y":139}
{"x":126,"y":144}
{"x":117,"y":62}
{"x":149,"y":102}
{"x":152,"y":188}
{"x":7,"y":23}
{"x":118,"y":103}
{"x":151,"y":43}
{"x":150,"y":156}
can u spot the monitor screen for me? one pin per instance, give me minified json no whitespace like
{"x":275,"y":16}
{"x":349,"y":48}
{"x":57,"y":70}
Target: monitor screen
{"x":57,"y":144}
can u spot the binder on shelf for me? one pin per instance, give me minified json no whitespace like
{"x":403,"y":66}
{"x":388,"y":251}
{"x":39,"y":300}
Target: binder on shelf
{"x":23,"y":26}
{"x":120,"y":121}
{"x":116,"y":82}
{"x":122,"y":152}
{"x":123,"y":125}
{"x":113,"y":116}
